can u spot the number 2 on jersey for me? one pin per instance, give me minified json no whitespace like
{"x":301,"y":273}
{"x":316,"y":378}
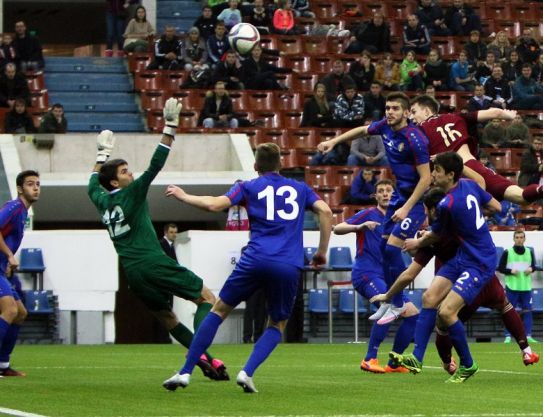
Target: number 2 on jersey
{"x":114,"y":221}
{"x":290,"y":200}
{"x":471,"y":201}
{"x":449,"y":135}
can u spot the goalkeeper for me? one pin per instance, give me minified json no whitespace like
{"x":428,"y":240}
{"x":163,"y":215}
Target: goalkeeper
{"x":151,"y":274}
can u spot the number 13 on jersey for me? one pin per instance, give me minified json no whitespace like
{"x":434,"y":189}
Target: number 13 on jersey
{"x":288,"y":193}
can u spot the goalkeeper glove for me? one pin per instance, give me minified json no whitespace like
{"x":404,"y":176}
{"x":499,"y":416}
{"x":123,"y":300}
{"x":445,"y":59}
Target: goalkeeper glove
{"x":105,"y":143}
{"x":171,"y":116}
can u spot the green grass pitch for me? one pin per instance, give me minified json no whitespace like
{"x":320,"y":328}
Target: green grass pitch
{"x":317,"y":380}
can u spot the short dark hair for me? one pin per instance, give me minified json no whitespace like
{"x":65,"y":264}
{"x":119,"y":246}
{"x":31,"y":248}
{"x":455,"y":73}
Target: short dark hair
{"x":384,"y":181}
{"x":519,"y":232}
{"x":57,"y":106}
{"x":268,"y":157}
{"x":426,"y":101}
{"x":21,"y":177}
{"x":400,"y":98}
{"x":108,"y":172}
{"x":526,"y":65}
{"x":450,"y":162}
{"x":167,"y":226}
{"x":433,"y":197}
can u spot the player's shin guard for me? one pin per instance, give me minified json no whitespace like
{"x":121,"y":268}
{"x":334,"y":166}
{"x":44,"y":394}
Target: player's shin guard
{"x":444,"y":346}
{"x":532,"y":192}
{"x":377,"y":335}
{"x":202,"y":340}
{"x":460,"y":343}
{"x":404,"y":334}
{"x":393,"y":267}
{"x":513,"y":323}
{"x":262,"y":349}
{"x":9,"y":342}
{"x":423,"y":330}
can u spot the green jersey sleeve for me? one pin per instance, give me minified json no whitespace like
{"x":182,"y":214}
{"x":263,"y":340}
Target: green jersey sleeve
{"x":95,"y":190}
{"x":140,"y":186}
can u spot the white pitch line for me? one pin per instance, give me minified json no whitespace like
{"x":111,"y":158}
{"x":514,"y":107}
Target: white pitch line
{"x":18,"y":413}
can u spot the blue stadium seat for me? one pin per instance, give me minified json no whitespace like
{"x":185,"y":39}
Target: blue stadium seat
{"x":340,"y":258}
{"x":537,"y":300}
{"x":309,"y":221}
{"x":415,"y":296}
{"x":499,"y":251}
{"x":318,"y":301}
{"x":37,"y":302}
{"x":346,"y":301}
{"x":308,"y":255}
{"x":31,"y":262}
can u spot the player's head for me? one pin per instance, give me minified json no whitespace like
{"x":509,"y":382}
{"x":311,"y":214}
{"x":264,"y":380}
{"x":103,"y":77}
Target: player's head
{"x":170,"y":231}
{"x":383,"y":191}
{"x":431,"y":200}
{"x":422,"y":107}
{"x":115,"y":174}
{"x":519,"y":237}
{"x":448,"y":167}
{"x":397,"y":110}
{"x":28,"y":186}
{"x":267,"y":158}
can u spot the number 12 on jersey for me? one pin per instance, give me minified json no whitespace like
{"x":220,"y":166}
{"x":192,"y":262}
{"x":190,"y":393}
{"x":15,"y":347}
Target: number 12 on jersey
{"x":269,"y":194}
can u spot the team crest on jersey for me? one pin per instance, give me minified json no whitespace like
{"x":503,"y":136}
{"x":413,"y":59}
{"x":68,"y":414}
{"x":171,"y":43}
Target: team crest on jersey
{"x":401,"y":146}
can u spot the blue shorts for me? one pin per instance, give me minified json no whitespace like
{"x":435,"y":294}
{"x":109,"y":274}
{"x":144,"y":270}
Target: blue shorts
{"x":8,"y":287}
{"x":407,"y":227}
{"x":279,"y":281}
{"x":522,"y":299}
{"x":468,"y":280}
{"x":369,"y":286}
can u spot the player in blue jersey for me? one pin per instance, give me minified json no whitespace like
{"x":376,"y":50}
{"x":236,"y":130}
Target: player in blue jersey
{"x":13,"y":217}
{"x":407,"y":151}
{"x":459,"y":280}
{"x":368,"y":278}
{"x":272,"y":260}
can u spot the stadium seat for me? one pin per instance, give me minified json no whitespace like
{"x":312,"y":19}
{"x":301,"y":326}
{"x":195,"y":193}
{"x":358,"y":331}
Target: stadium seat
{"x":37,"y":302}
{"x":532,"y":214}
{"x":445,"y":45}
{"x":324,"y":9}
{"x":344,"y":175}
{"x":308,"y":255}
{"x":147,"y":80}
{"x":172,"y":80}
{"x":155,"y":120}
{"x":188,"y":119}
{"x":500,"y":158}
{"x":31,"y":262}
{"x":326,"y":134}
{"x":340,"y":258}
{"x":314,"y":45}
{"x":369,"y":8}
{"x":332,"y":195}
{"x":495,"y":11}
{"x":277,"y":136}
{"x":300,"y":63}
{"x":287,"y":100}
{"x":511,"y":27}
{"x":318,"y":301}
{"x":521,"y":12}
{"x":285,"y":79}
{"x":260,"y":100}
{"x":339,"y":214}
{"x":305,"y":155}
{"x":239,"y":100}
{"x":268,"y":41}
{"x":292,"y":119}
{"x":252,"y":135}
{"x":268,"y":118}
{"x":139,"y":61}
{"x":346,"y":301}
{"x":290,"y":45}
{"x":304,"y":82}
{"x":39,"y":99}
{"x":289,"y":158}
{"x":415,"y":296}
{"x":537,"y":300}
{"x":302,"y":138}
{"x":152,"y":100}
{"x":536,"y":25}
{"x":35,"y":80}
{"x":399,"y":9}
{"x":337,"y":45}
{"x":516,"y":157}
{"x":321,"y":64}
{"x":319,"y":176}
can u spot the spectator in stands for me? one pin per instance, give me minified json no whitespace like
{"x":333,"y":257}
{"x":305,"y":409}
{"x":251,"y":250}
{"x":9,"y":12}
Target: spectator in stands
{"x":54,"y":121}
{"x":283,"y":20}
{"x":229,"y":71}
{"x":475,"y":48}
{"x":479,"y":101}
{"x":374,"y":102}
{"x":528,"y":46}
{"x":168,"y":240}
{"x":260,"y":17}
{"x":537,"y":70}
{"x":431,"y":15}
{"x":7,"y":51}
{"x":230,"y":16}
{"x":526,"y":92}
{"x":483,"y":70}
{"x":336,"y":81}
{"x":218,"y":110}
{"x":387,"y":72}
{"x":317,"y":111}
{"x":416,"y":37}
{"x":505,"y":217}
{"x":436,"y":72}
{"x":28,"y":49}
{"x":301,"y":8}
{"x":531,"y":164}
{"x":362,"y":71}
{"x":372,"y":36}
{"x":517,"y":134}
{"x":217,"y":44}
{"x":484,"y":159}
{"x":138,"y":32}
{"x":493,"y":134}
{"x":512,"y":68}
{"x":367,"y":151}
{"x":411,"y":73}
{"x":362,"y":189}
{"x":13,"y":85}
{"x":168,"y":51}
{"x":115,"y":23}
{"x":349,"y":108}
{"x":462,"y":19}
{"x":444,"y":107}
{"x":18,"y":120}
{"x":257,"y":74}
{"x":499,"y":89}
{"x":500,"y":46}
{"x":195,"y":52}
{"x":337,"y":156}
{"x":206,"y":22}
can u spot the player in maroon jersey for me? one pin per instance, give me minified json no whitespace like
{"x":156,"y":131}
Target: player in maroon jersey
{"x":450,"y":132}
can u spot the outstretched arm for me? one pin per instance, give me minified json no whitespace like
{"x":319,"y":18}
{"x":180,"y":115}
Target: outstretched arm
{"x":495,"y":113}
{"x":344,"y":228}
{"x":207,"y":203}
{"x":405,"y":278}
{"x":328,"y":145}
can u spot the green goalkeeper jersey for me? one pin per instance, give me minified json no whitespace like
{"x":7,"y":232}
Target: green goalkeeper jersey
{"x":126,"y":214}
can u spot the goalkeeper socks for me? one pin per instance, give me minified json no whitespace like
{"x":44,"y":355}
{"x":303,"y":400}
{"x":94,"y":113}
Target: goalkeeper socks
{"x":393,"y":267}
{"x":201,"y":313}
{"x":532,"y":193}
{"x":460,"y":343}
{"x":444,"y":346}
{"x":202,"y":340}
{"x":423,"y":330}
{"x":404,"y":334}
{"x":513,"y":323}
{"x":528,"y":319}
{"x":184,"y":336}
{"x":265,"y":345}
{"x":4,"y":327}
{"x":9,"y":342}
{"x":377,"y":335}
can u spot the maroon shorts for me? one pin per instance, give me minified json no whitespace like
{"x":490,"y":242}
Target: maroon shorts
{"x":495,"y":183}
{"x":491,"y":296}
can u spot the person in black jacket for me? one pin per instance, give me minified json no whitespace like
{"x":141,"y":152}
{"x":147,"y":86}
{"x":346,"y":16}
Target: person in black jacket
{"x":531,"y":164}
{"x":218,"y":109}
{"x":416,"y":36}
{"x":28,"y":49}
{"x":372,"y":36}
{"x":257,"y":74}
{"x":13,"y":85}
{"x":168,"y":240}
{"x":18,"y":120}
{"x":206,"y":22}
{"x":431,"y":15}
{"x":168,"y":52}
{"x":436,"y":71}
{"x":374,"y":102}
{"x":317,"y":111}
{"x":228,"y":71}
{"x":462,"y":19}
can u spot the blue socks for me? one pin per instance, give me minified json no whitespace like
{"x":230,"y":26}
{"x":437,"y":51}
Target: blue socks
{"x":460,"y":343}
{"x":4,"y":327}
{"x":423,"y":330}
{"x":393,"y":267}
{"x":9,"y":341}
{"x":377,"y":335}
{"x":528,"y":319}
{"x":265,"y":345}
{"x":201,"y":341}
{"x":404,"y":334}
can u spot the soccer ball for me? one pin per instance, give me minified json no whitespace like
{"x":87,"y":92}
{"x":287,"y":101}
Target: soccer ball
{"x":243,"y":37}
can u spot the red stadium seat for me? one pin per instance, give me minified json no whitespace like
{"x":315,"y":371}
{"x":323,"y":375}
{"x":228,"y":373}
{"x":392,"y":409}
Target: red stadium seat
{"x":339,"y":214}
{"x":139,"y":61}
{"x":260,"y":100}
{"x":305,"y":155}
{"x":152,"y":100}
{"x":500,"y":158}
{"x":344,"y":175}
{"x":35,"y":80}
{"x":155,"y":120}
{"x":337,"y":45}
{"x":287,"y":100}
{"x":239,"y":100}
{"x":300,"y":63}
{"x":321,"y":64}
{"x":252,"y":135}
{"x":302,"y":138}
{"x":289,"y":158}
{"x":332,"y":195}
{"x":39,"y":99}
{"x":190,"y":99}
{"x":147,"y":80}
{"x":188,"y":119}
{"x":277,"y":136}
{"x":314,"y":45}
{"x":290,"y":44}
{"x":172,"y":80}
{"x":495,"y":11}
{"x":304,"y":82}
{"x":516,"y":157}
{"x":324,"y":9}
{"x":319,"y":176}
{"x":268,"y":119}
{"x":291,"y":119}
